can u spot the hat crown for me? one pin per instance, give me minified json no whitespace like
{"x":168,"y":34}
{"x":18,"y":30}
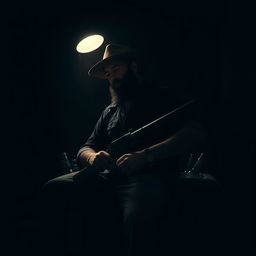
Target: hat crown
{"x":115,"y":49}
{"x":112,"y":52}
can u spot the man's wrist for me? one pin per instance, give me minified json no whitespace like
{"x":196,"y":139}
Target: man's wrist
{"x":85,"y":157}
{"x":89,"y":157}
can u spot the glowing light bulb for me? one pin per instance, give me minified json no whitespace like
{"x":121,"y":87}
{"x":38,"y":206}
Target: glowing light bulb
{"x":90,"y":43}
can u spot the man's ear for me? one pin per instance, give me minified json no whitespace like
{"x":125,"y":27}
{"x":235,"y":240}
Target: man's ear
{"x":134,"y":66}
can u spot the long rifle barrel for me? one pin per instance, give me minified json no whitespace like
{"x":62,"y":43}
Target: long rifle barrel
{"x":162,"y":117}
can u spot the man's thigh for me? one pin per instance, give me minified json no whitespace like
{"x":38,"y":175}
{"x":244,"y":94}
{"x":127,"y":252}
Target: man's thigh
{"x":145,"y":201}
{"x":144,"y":196}
{"x":79,"y":189}
{"x":83,"y":207}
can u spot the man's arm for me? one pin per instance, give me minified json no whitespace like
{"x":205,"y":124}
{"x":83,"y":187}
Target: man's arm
{"x":91,"y":154}
{"x":184,"y":141}
{"x":98,"y":160}
{"x":85,"y":155}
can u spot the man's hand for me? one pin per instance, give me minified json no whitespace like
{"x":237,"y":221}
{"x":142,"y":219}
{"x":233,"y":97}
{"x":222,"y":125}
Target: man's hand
{"x":101,"y":161}
{"x":130,"y":163}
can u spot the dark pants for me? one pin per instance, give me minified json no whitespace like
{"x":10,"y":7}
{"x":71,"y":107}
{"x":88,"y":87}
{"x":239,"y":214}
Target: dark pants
{"x":91,"y":215}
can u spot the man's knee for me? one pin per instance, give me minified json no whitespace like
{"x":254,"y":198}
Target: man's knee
{"x":57,"y":190}
{"x":61,"y":180}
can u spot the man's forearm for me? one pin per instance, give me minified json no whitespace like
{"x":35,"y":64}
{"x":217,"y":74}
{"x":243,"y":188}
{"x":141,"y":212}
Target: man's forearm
{"x":184,"y":141}
{"x":85,"y":155}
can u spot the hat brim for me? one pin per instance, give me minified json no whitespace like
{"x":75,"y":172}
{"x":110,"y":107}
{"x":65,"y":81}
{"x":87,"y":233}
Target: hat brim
{"x":98,"y":69}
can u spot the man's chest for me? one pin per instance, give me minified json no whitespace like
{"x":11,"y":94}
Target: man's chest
{"x":123,"y":121}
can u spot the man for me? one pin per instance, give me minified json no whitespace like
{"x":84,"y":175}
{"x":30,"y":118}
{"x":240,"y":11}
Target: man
{"x":127,"y":91}
{"x":133,"y":207}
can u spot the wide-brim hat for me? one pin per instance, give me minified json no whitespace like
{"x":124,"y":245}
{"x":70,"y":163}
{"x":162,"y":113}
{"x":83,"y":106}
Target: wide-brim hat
{"x":112,"y":52}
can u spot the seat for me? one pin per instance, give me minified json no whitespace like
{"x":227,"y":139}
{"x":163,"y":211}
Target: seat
{"x":197,"y":170}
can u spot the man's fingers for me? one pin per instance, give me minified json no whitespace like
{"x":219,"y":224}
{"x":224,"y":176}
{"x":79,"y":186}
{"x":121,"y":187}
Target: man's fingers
{"x":106,"y":156}
{"x":102,"y":161}
{"x":124,"y":166}
{"x":121,"y":159}
{"x":120,"y":163}
{"x":98,"y":165}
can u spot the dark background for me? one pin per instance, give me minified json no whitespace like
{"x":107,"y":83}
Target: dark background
{"x":52,"y":105}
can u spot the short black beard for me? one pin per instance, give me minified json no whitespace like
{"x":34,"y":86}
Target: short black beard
{"x":124,"y":89}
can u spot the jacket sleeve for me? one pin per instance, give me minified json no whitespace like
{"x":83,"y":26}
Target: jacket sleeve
{"x":99,"y":139}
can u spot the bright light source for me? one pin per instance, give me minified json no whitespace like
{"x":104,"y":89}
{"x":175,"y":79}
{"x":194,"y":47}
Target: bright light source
{"x":90,"y":43}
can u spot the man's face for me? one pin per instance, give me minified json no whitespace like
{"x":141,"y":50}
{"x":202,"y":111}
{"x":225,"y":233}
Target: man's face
{"x":115,"y":72}
{"x":122,"y":79}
